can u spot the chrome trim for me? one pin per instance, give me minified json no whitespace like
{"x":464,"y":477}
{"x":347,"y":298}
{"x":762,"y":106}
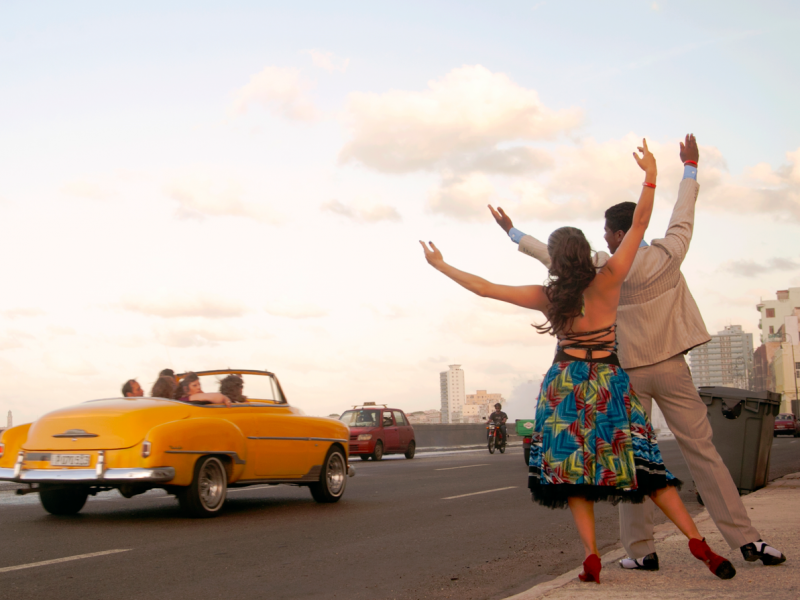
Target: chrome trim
{"x":100,"y":465}
{"x":154,"y":475}
{"x":233,"y":455}
{"x":18,"y":464}
{"x":299,"y":439}
{"x":76,"y":433}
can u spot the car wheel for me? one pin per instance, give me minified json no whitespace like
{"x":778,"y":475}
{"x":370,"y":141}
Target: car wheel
{"x":364,"y":456}
{"x":796,"y":433}
{"x":377,"y":454}
{"x":209,"y":488}
{"x":62,"y":500}
{"x":333,"y":478}
{"x":412,"y":448}
{"x":491,"y":445}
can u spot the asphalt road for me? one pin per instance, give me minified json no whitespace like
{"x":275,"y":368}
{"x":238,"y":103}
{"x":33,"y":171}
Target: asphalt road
{"x":439,"y":526}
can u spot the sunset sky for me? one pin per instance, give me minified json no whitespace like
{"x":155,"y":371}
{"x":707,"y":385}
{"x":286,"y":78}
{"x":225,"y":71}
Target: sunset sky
{"x":201,"y":185}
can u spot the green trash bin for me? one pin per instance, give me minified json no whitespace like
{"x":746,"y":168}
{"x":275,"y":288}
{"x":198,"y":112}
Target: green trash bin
{"x":742,"y":422}
{"x":525,"y":429}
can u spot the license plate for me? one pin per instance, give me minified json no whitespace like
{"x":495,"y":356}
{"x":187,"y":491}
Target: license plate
{"x":70,"y":460}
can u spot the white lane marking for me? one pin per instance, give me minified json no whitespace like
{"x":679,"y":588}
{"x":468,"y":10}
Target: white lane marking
{"x":464,"y":467}
{"x":483,"y":492}
{"x":250,"y":489}
{"x":61,"y":560}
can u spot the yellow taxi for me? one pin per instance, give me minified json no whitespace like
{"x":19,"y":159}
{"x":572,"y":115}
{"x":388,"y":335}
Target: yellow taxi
{"x":192,"y":450}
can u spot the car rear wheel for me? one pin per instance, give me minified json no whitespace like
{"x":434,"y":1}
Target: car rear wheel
{"x":377,"y":454}
{"x":209,"y":488}
{"x":59,"y":500}
{"x":333,"y":478}
{"x":364,"y":456}
{"x":412,"y":448}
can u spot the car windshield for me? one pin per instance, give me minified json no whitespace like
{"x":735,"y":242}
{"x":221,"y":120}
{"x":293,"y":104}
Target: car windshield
{"x":361,"y":418}
{"x":785,"y":418}
{"x":256,"y":387}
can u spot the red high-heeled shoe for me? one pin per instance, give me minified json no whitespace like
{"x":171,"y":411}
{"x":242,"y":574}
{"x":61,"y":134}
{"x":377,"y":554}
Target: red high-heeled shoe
{"x":718,"y":565}
{"x":591,"y":569}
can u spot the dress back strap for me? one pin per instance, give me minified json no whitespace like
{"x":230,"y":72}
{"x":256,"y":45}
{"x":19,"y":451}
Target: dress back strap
{"x":590,"y":341}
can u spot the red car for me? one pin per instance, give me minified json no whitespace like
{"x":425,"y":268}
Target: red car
{"x":376,"y":431}
{"x":786,"y":424}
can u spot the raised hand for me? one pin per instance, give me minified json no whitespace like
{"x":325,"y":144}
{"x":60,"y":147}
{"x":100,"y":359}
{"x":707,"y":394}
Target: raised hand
{"x":434,"y":257}
{"x":647,"y":162}
{"x":502,"y":218}
{"x":689,"y":149}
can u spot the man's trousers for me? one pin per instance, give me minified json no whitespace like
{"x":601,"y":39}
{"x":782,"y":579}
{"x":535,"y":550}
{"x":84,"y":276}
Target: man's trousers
{"x":670,"y":384}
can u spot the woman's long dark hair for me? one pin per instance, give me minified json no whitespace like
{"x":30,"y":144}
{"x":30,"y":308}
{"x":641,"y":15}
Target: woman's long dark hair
{"x":164,"y":387}
{"x":183,"y":386}
{"x":571,"y":272}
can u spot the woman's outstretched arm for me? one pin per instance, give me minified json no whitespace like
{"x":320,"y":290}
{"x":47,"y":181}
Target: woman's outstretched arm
{"x":620,"y":263}
{"x":527,"y":296}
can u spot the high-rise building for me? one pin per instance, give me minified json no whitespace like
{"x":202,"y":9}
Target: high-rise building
{"x":479,"y":406}
{"x":453,"y":393}
{"x":774,"y":311}
{"x":726,"y":360}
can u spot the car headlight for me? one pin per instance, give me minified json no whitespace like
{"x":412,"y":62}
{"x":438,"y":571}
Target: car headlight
{"x":364,"y":437}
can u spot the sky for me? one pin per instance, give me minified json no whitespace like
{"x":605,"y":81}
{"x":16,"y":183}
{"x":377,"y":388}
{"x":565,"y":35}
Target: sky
{"x":202,"y":185}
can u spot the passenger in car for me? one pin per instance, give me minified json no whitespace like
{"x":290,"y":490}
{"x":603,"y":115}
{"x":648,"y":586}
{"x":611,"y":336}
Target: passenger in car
{"x":190,"y":390}
{"x":132,"y":389}
{"x":232,"y":386}
{"x":164,"y":387}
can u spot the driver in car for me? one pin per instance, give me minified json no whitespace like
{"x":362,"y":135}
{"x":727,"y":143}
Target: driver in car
{"x":498,"y":417}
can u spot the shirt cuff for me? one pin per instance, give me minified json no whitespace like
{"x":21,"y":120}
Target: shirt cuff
{"x":689,"y":172}
{"x":515,"y":235}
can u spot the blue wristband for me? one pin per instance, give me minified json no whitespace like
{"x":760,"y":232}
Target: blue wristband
{"x":689,"y":172}
{"x":515,"y":235}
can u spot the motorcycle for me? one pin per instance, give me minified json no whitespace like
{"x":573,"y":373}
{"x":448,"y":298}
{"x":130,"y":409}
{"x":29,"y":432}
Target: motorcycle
{"x":496,"y":439}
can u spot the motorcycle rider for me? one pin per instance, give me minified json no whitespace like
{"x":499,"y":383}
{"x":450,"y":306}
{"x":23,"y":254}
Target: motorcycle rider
{"x":499,"y":418}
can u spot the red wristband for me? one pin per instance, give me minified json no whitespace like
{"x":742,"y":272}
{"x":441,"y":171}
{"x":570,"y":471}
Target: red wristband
{"x":650,"y":185}
{"x":691,"y":162}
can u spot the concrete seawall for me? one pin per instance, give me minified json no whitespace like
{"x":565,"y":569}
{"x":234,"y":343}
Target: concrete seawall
{"x":436,"y":435}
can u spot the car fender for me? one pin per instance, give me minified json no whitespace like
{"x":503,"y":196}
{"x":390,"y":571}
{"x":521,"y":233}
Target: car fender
{"x":13,"y":439}
{"x":179,"y":444}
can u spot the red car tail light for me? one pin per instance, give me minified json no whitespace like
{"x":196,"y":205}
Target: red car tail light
{"x":2,"y":450}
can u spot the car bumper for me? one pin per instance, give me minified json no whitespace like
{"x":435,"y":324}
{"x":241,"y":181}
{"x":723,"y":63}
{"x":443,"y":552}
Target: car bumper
{"x":108,"y":476}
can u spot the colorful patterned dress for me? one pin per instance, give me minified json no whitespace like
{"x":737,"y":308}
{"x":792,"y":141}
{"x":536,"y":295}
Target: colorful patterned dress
{"x":591,"y":437}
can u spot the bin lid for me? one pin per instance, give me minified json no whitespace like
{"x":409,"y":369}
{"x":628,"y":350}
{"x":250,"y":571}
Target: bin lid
{"x":734,"y":396}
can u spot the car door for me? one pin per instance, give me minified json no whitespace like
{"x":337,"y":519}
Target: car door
{"x":403,"y":429}
{"x":282,"y":445}
{"x":391,"y":437}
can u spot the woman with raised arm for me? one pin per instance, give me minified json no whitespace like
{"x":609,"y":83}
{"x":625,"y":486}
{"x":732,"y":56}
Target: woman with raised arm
{"x":592,"y":439}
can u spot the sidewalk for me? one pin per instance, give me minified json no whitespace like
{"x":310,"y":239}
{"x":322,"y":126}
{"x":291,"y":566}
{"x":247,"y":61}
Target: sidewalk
{"x":775,"y":512}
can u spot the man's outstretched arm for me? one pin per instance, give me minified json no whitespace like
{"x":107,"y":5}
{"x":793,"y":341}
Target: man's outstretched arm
{"x":530,"y":245}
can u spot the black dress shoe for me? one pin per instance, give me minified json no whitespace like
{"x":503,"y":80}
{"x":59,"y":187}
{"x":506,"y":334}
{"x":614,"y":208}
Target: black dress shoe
{"x":762,"y":551}
{"x":647,"y":563}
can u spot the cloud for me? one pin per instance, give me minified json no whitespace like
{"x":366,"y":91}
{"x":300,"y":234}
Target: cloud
{"x":60,"y":330}
{"x":463,"y":198}
{"x":213,"y":194}
{"x":295,"y":310}
{"x":68,"y":363}
{"x":192,"y":334}
{"x":749,"y":268}
{"x":9,"y":342}
{"x":282,"y":91}
{"x":195,"y":305}
{"x":517,"y":160}
{"x":469,"y":110}
{"x":85,"y":189}
{"x":328,"y":60}
{"x":488,"y":330}
{"x":368,"y":214}
{"x":16,"y":313}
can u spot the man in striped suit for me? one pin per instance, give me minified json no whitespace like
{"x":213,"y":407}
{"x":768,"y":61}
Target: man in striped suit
{"x":658,"y":323}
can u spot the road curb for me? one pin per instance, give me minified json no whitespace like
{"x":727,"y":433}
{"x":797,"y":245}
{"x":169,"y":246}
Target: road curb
{"x":660,"y":533}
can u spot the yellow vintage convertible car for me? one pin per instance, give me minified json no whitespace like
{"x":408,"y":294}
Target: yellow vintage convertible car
{"x":191,"y":450}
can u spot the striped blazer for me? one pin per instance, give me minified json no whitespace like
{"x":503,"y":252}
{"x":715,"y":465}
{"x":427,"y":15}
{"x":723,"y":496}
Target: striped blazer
{"x":657,"y":316}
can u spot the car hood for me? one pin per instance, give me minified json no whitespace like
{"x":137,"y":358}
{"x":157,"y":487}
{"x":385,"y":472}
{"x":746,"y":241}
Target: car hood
{"x":102,"y":424}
